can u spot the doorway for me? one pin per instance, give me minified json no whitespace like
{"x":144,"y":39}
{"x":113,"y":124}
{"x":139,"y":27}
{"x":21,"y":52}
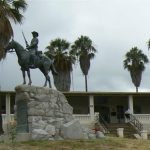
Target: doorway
{"x":104,"y":111}
{"x":120,"y":114}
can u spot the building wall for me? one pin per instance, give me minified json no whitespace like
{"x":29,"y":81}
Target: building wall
{"x":2,"y":103}
{"x":2,"y":110}
{"x":142,"y":105}
{"x":118,"y":106}
{"x":111,"y":106}
{"x":80,"y":104}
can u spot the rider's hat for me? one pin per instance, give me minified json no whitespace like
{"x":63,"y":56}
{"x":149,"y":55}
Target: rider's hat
{"x":35,"y":33}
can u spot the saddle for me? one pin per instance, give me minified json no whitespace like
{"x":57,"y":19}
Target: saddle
{"x":34,"y":58}
{"x":37,"y":54}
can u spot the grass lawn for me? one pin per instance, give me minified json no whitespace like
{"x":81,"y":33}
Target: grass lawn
{"x":108,"y":143}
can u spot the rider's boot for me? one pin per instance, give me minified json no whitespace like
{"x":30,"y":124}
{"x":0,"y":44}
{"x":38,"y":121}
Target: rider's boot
{"x":32,"y":66}
{"x":32,"y":62}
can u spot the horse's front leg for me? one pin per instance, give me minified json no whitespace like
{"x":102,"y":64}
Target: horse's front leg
{"x":24,"y":76}
{"x":28,"y":72}
{"x":45,"y":84}
{"x":47,"y":79}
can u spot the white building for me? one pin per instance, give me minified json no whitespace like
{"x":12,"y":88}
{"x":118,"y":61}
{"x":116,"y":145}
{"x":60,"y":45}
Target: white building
{"x":111,"y":106}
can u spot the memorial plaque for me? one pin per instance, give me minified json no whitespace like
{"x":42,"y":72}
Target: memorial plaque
{"x":22,"y":117}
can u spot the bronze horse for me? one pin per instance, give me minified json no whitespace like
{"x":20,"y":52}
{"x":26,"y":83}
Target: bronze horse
{"x":42,"y":62}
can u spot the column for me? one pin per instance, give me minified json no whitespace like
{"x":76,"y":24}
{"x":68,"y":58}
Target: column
{"x":7,"y":105}
{"x":5,"y":117}
{"x":130,"y":103}
{"x":91,"y":106}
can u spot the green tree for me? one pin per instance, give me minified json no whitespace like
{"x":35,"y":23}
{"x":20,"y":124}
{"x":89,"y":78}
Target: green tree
{"x":135,"y":62}
{"x":84,"y":50}
{"x":9,"y":10}
{"x":58,"y":49}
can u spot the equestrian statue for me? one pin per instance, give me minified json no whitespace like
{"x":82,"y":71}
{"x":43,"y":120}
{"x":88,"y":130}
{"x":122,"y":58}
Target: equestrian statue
{"x":30,"y":58}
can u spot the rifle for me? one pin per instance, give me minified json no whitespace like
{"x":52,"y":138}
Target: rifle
{"x":25,"y":39}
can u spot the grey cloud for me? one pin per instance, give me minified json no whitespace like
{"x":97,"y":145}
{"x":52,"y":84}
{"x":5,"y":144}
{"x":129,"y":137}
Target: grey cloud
{"x":114,"y":27}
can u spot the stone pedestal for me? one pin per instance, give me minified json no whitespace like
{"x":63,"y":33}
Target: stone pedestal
{"x":72,"y":130}
{"x":120,"y":132}
{"x":42,"y":112}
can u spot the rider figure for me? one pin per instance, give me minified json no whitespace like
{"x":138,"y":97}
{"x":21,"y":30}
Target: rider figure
{"x":33,"y":48}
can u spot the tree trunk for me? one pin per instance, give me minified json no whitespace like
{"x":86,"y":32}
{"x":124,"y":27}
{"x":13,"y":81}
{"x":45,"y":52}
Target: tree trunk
{"x":136,"y":89}
{"x":85,"y":65}
{"x":86,"y":86}
{"x":62,"y":81}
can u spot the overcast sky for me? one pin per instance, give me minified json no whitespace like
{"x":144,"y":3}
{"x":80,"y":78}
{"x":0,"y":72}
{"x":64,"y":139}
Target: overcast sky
{"x":114,"y":26}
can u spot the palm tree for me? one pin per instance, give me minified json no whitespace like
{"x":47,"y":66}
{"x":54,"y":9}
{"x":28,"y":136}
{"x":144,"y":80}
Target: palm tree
{"x":9,"y":10}
{"x":85,"y":51}
{"x":148,"y":44}
{"x":58,"y":50}
{"x":135,"y":63}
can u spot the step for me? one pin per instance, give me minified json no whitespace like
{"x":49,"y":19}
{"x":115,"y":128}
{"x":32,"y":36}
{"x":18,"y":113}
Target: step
{"x":129,"y":131}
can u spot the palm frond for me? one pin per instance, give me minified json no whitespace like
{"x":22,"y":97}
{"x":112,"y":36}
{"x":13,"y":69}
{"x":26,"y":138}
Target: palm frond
{"x":20,"y":5}
{"x":64,"y":58}
{"x":9,"y":11}
{"x":135,"y":62}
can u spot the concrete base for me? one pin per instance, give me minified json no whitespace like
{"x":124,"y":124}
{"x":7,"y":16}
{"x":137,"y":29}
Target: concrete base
{"x":120,"y":132}
{"x":23,"y":137}
{"x":144,"y":135}
{"x":20,"y":137}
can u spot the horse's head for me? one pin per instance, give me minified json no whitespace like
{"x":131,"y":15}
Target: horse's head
{"x":10,"y":46}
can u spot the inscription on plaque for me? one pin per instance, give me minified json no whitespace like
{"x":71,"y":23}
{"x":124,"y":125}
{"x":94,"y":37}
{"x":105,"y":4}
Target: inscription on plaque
{"x":22,"y":117}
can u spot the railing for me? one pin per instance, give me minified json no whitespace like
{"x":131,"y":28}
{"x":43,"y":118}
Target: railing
{"x":83,"y":118}
{"x":5,"y":119}
{"x":143,"y":118}
{"x":103,"y":123}
{"x":86,"y":118}
{"x":135,"y":122}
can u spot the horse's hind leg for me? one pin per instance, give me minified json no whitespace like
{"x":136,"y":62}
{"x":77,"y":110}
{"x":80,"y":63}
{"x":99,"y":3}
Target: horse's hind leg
{"x":47,"y":78}
{"x":24,"y":76}
{"x":30,"y":82}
